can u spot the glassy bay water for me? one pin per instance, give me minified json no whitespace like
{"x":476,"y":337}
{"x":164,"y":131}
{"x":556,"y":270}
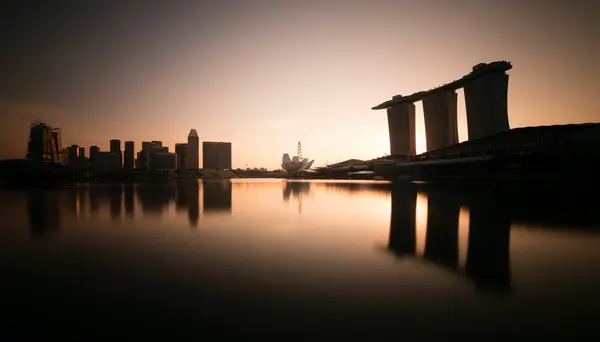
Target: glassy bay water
{"x":299,"y":259}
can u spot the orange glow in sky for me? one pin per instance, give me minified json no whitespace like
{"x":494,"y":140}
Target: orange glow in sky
{"x":264,"y":76}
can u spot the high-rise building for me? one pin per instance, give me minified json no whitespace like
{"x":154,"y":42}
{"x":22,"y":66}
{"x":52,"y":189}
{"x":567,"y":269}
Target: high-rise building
{"x":181,"y":152}
{"x":129,"y":156}
{"x":193,"y":151}
{"x":94,"y":152}
{"x":216,"y":155}
{"x":72,"y":151}
{"x":44,"y":143}
{"x":115,"y":147}
{"x":81,"y":154}
{"x":148,"y":149}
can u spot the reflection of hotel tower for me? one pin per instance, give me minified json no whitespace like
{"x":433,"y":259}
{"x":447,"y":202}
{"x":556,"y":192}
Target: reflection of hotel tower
{"x":488,"y":261}
{"x":43,"y":212}
{"x":188,"y":198}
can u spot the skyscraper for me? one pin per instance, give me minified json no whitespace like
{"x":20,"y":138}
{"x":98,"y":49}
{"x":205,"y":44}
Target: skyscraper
{"x":44,"y":143}
{"x":73,"y":150}
{"x":115,"y":147}
{"x":181,"y":151}
{"x":128,"y":158}
{"x":192,"y":150}
{"x":216,"y":155}
{"x":94,"y":152}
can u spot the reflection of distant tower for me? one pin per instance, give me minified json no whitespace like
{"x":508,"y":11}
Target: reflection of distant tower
{"x":188,"y":200}
{"x":43,"y":212}
{"x":129,"y":199}
{"x":116,"y":197}
{"x":154,"y":198}
{"x":193,"y":200}
{"x":217,"y":195}
{"x":296,"y":189}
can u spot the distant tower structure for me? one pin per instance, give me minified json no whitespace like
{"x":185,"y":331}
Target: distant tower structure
{"x":181,"y":152}
{"x":115,"y":147}
{"x":44,"y":143}
{"x":299,"y":151}
{"x":129,"y":156}
{"x":193,"y":151}
{"x":94,"y":152}
{"x":72,"y":151}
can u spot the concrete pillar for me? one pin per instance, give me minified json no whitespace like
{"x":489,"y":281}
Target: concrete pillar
{"x":402,"y":239}
{"x":441,"y":242}
{"x":486,"y":101}
{"x":401,"y":124}
{"x":440,"y":119}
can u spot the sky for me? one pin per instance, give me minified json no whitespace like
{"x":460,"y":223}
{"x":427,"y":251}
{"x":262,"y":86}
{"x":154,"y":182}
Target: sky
{"x":264,"y":75}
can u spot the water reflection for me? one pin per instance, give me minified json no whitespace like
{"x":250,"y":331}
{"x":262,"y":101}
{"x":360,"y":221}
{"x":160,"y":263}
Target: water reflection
{"x":115,"y":195}
{"x":43,"y":212}
{"x":297,"y":191}
{"x":217,"y":196}
{"x":154,"y":198}
{"x":318,"y":269}
{"x":488,"y":261}
{"x":129,"y":199}
{"x":188,"y":200}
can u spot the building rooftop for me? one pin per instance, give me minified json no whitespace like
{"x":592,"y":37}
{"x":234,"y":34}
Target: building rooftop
{"x":478,"y":71}
{"x":193,"y":133}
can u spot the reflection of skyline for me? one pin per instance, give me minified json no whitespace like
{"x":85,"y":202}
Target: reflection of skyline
{"x":488,"y":259}
{"x":188,"y":200}
{"x":43,"y":213}
{"x":492,"y":209}
{"x":217,"y":195}
{"x":115,"y":194}
{"x":154,"y":198}
{"x":360,"y":186}
{"x":129,"y":199}
{"x":296,"y":190}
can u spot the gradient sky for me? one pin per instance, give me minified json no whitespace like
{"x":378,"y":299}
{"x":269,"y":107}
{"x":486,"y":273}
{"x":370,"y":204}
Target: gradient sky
{"x":267,"y":74}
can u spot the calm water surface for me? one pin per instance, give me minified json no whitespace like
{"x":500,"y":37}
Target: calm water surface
{"x":298,"y":259}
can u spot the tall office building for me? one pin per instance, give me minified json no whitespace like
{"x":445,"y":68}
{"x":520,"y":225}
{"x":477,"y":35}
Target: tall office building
{"x":193,"y":150}
{"x":81,"y":154}
{"x":44,"y":143}
{"x":115,"y":147}
{"x":216,"y":155}
{"x":72,"y":151}
{"x":181,"y":152}
{"x":94,"y":152}
{"x":148,"y":149}
{"x":129,"y":156}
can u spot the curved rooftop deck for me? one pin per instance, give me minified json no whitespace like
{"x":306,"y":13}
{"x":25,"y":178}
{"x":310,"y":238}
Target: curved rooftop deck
{"x":478,"y":71}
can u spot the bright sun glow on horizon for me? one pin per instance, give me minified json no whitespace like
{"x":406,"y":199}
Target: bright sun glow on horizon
{"x":264,"y":76}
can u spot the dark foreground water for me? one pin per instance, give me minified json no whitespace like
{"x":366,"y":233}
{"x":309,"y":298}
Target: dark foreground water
{"x":314,"y":260}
